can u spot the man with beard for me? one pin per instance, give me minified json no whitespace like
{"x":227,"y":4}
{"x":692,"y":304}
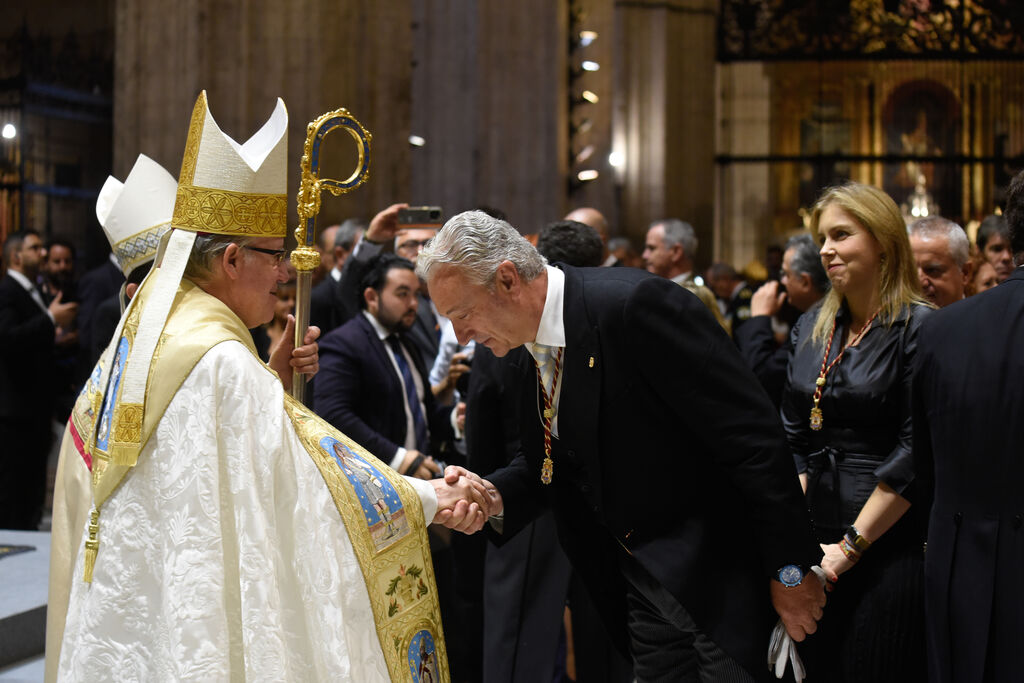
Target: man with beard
{"x":28,"y":328}
{"x":59,"y":269}
{"x":58,"y":277}
{"x":372,"y":383}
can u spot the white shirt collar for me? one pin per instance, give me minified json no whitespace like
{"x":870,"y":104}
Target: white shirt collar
{"x":21,"y":280}
{"x":382,"y":333}
{"x":551,"y":331}
{"x":336,"y":274}
{"x":682,"y":277}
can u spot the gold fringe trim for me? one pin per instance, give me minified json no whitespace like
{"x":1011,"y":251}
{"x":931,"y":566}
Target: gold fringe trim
{"x":92,"y":545}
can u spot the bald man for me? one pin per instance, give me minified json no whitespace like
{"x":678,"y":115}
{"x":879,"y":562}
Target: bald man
{"x":595,"y":219}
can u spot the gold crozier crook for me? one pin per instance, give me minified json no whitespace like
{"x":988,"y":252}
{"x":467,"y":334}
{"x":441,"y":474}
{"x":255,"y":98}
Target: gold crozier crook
{"x":305,"y":258}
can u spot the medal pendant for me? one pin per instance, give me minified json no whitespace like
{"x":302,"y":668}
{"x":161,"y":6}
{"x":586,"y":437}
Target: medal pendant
{"x":816,"y":418}
{"x":546,"y":470}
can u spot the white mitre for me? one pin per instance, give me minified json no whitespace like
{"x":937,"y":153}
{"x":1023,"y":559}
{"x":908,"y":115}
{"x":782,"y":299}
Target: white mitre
{"x":225,"y":188}
{"x":136,"y":213}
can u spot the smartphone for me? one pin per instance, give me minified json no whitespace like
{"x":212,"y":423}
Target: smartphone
{"x":420,"y":217}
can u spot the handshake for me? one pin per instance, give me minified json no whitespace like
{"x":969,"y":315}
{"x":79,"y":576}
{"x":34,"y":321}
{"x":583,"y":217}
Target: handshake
{"x":464,"y":500}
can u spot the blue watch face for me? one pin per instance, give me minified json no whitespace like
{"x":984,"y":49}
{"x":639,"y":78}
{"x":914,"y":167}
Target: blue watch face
{"x":791,"y":575}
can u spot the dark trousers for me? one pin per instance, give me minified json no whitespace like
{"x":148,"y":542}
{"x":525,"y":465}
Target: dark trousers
{"x":666,"y":644}
{"x":24,"y":449}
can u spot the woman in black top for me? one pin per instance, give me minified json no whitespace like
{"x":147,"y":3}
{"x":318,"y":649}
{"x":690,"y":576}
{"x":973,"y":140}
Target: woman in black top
{"x":846,"y":409}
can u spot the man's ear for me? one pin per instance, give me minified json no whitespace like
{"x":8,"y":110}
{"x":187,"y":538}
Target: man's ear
{"x":968,"y":271}
{"x":678,"y":253}
{"x":230,"y":260}
{"x":507,"y":277}
{"x":805,"y":281}
{"x":372,"y":300}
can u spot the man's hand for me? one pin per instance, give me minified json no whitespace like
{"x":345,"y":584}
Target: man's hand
{"x":464,"y":500}
{"x":460,"y":416}
{"x":384,"y":225}
{"x":799,"y":607}
{"x":63,"y":313}
{"x":427,"y":469}
{"x":446,"y":388}
{"x":286,"y":359}
{"x":767,"y":300}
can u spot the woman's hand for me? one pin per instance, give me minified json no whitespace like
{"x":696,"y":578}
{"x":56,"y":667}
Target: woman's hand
{"x":834,"y":562}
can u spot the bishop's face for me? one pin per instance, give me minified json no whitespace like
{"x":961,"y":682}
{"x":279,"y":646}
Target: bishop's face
{"x":259,"y":275}
{"x":495,"y":318}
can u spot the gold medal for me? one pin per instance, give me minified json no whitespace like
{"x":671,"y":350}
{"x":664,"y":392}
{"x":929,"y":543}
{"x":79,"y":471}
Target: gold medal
{"x":546,"y":470}
{"x":816,"y":418}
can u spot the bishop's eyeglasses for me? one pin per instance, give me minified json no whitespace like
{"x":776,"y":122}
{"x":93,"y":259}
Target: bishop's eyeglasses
{"x":278,"y":254}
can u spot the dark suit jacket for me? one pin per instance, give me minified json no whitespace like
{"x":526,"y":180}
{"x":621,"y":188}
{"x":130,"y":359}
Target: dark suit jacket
{"x":95,"y":287}
{"x":358,"y":391}
{"x":424,"y":334}
{"x":969,"y":439}
{"x":756,"y":342}
{"x":26,"y":354}
{"x":670,"y":450}
{"x":328,"y":308}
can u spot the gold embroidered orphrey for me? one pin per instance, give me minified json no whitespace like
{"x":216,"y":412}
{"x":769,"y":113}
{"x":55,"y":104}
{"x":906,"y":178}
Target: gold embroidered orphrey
{"x":399,"y":577}
{"x":197,"y":323}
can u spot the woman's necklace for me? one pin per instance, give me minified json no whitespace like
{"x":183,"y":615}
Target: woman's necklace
{"x":820,"y":382}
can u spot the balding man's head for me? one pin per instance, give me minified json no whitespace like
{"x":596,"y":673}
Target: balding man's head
{"x":591,"y":217}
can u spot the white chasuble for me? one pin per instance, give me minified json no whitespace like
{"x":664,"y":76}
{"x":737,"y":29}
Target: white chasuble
{"x":250,"y":541}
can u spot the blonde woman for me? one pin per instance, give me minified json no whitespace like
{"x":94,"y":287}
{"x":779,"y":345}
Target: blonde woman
{"x":846,"y":408}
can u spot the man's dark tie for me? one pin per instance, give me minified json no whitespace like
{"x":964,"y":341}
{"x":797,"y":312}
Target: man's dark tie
{"x":418,"y":421}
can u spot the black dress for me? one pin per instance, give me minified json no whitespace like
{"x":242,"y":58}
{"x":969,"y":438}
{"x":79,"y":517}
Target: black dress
{"x":873,"y":627}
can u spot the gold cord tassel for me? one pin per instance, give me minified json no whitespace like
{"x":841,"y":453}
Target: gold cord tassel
{"x":92,"y":545}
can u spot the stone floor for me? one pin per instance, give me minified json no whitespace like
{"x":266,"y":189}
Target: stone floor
{"x":27,"y":671}
{"x":24,"y":577}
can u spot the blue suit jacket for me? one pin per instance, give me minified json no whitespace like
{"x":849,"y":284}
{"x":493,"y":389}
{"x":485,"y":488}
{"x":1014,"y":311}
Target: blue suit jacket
{"x":358,"y":391}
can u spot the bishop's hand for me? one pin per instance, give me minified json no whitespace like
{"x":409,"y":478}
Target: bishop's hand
{"x":286,"y":359}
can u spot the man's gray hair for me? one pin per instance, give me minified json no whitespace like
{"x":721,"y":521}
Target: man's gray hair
{"x":806,"y":259}
{"x":347,"y":233}
{"x":205,"y":251}
{"x":937,"y":226}
{"x":477,"y":244}
{"x":679,"y":232}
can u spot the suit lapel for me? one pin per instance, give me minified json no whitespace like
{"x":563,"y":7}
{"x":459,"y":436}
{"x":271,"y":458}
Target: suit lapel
{"x":579,"y":405}
{"x":379,"y":353}
{"x":27,"y":306}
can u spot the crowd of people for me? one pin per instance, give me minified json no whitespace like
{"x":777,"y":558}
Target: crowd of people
{"x":664,"y":463}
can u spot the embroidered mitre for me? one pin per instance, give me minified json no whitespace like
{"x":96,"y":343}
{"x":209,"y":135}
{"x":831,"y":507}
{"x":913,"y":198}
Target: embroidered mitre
{"x":135,"y":214}
{"x":225,"y":188}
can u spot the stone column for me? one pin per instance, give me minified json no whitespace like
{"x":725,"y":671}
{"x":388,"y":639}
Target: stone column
{"x":665,"y":113}
{"x":489,"y":100}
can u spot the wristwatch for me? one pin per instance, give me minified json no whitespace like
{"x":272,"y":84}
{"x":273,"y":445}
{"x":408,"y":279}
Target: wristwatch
{"x":791,"y":575}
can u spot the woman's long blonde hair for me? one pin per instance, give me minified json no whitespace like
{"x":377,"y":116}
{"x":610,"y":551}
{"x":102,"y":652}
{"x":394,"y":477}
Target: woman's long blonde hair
{"x":877,"y":213}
